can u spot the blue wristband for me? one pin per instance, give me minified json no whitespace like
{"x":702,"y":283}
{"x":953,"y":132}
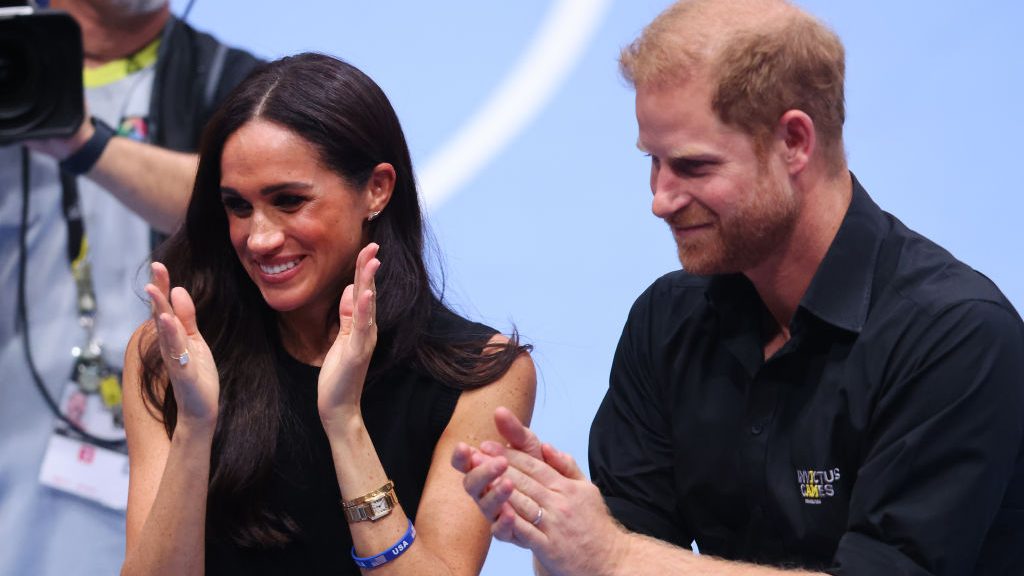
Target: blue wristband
{"x":390,"y":554}
{"x":86,"y":157}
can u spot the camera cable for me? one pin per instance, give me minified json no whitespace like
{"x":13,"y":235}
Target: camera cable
{"x":22,"y":324}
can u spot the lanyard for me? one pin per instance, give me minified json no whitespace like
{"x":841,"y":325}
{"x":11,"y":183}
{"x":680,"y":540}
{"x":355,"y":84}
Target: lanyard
{"x":91,"y":371}
{"x":22,"y":324}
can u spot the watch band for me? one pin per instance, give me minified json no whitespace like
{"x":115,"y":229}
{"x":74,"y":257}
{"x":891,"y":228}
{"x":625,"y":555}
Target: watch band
{"x":372,"y":506}
{"x":86,"y":157}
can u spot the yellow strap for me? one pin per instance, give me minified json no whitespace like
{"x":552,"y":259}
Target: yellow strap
{"x":117,"y":69}
{"x":110,"y":391}
{"x":83,"y":250}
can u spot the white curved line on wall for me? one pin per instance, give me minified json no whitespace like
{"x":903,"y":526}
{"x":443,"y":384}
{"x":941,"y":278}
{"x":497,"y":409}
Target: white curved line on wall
{"x":553,"y":51}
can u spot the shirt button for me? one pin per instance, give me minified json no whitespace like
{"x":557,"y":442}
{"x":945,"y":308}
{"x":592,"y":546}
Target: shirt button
{"x":757,"y":428}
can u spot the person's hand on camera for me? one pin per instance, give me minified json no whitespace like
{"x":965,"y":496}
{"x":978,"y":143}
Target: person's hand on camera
{"x":61,"y":148}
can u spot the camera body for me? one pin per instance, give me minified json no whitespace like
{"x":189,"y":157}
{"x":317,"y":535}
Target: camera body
{"x":41,"y":93}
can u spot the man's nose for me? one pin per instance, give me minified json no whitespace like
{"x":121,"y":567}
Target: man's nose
{"x":670,"y":194}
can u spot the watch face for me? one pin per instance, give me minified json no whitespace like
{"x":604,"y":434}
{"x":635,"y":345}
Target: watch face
{"x":379,"y":507}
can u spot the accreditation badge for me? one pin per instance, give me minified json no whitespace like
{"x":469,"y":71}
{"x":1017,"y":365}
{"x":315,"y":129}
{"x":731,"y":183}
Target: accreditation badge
{"x":84,"y":469}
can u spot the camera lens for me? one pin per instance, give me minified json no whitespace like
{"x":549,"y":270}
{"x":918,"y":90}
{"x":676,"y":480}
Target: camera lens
{"x":16,"y":80}
{"x":40,"y":76}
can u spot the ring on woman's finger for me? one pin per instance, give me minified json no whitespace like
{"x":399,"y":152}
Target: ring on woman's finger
{"x":537,"y":518}
{"x":181,"y":358}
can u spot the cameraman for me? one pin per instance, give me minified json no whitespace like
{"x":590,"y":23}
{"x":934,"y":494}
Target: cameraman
{"x":94,"y":203}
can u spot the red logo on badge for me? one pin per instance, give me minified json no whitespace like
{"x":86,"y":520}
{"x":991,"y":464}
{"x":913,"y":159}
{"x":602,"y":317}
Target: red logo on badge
{"x":86,"y":453}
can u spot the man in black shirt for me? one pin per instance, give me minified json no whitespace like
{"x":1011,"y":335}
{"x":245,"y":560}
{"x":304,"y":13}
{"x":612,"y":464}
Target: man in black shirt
{"x":820,"y":388}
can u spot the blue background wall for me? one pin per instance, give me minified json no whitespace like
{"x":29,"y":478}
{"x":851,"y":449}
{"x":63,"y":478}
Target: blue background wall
{"x":523,"y":136}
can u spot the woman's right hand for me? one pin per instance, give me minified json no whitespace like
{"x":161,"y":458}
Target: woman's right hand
{"x":195,"y":382}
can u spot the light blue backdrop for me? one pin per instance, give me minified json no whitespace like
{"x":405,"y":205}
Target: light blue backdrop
{"x":523,"y":136}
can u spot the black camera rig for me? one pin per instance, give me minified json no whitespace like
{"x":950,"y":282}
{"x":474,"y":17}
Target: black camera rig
{"x":40,"y":73}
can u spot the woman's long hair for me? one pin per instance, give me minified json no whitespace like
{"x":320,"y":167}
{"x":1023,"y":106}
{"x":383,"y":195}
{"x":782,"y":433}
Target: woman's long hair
{"x":350,"y":122}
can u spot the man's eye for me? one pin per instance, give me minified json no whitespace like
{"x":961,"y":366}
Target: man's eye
{"x":236,"y":205}
{"x":692,"y":168}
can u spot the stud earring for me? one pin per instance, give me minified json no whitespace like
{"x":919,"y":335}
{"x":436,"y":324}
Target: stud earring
{"x":373,"y":216}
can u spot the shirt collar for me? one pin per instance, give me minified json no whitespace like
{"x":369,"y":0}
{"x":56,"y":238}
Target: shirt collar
{"x":121,"y":68}
{"x":840,"y":292}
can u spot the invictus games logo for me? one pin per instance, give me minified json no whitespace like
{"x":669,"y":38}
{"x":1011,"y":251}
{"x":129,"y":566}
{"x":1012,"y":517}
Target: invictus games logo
{"x":816,"y":485}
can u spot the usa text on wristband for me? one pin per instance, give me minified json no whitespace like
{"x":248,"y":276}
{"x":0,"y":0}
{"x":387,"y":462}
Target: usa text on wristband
{"x":85,"y":158}
{"x":390,"y":554}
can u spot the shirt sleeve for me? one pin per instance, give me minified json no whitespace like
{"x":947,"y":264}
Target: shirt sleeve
{"x":631,"y":456}
{"x":941,"y":485}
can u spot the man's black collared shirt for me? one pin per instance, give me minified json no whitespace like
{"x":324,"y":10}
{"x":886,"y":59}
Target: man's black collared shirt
{"x":885,"y":437}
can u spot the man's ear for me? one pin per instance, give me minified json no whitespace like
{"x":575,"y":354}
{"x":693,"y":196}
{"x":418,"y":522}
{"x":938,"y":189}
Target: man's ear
{"x":796,"y":136}
{"x":381,"y":185}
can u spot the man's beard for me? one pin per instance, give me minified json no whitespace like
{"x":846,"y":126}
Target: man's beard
{"x":747,"y":237}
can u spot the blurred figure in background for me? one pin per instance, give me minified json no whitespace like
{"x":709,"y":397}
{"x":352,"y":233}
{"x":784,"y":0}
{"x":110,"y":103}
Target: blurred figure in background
{"x":94,"y":202}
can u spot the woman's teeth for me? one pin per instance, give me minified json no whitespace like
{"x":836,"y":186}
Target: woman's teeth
{"x":277,"y":269}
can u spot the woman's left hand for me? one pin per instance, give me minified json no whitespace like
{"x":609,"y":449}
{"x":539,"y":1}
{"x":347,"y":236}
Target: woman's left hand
{"x":344,"y":369}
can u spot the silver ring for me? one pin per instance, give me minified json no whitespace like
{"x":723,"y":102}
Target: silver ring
{"x":181,"y":358}
{"x":540,"y":514}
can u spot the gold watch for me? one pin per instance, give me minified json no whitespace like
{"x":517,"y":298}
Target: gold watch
{"x":372,"y":506}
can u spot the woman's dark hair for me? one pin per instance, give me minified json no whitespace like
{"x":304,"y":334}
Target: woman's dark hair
{"x":349,"y":121}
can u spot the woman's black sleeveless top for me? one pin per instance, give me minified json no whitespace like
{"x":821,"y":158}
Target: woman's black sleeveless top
{"x":405,"y":413}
